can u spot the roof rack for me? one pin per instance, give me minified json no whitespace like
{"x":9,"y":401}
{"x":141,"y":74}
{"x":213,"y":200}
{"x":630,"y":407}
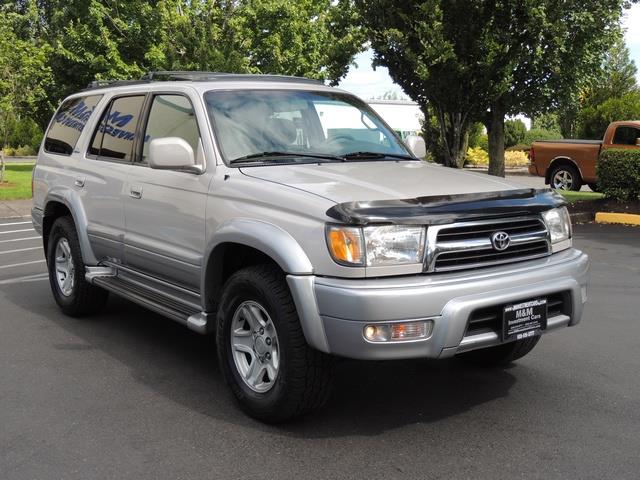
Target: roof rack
{"x":195,"y":76}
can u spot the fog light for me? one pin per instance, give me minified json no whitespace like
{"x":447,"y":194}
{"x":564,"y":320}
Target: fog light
{"x":398,"y":332}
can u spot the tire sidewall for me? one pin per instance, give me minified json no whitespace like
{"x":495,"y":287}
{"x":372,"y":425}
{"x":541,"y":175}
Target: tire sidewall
{"x":239,"y":289}
{"x":576,"y":183}
{"x":59,"y":230}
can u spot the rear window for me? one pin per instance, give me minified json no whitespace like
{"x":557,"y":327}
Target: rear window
{"x":115,"y":133}
{"x":626,"y":136}
{"x":68,"y":123}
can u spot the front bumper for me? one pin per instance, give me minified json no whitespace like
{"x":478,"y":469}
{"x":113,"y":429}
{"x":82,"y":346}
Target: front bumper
{"x":334,"y":312}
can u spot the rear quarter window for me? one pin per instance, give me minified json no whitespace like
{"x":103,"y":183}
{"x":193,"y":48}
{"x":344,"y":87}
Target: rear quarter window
{"x":68,"y":123}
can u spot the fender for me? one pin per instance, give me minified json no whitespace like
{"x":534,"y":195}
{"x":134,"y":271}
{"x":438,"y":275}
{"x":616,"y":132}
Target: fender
{"x":270,"y":239}
{"x":71,"y":200}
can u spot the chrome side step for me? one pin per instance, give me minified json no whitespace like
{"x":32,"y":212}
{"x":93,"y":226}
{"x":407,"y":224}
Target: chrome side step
{"x":188,"y":313}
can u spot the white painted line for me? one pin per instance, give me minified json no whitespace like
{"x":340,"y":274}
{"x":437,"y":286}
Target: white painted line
{"x":20,"y":250}
{"x":27,"y":278}
{"x":17,"y":231}
{"x":21,"y":264}
{"x":19,"y":239}
{"x":13,"y":223}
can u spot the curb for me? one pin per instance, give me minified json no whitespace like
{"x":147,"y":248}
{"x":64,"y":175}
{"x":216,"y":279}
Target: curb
{"x":582,"y":217}
{"x":618,"y":218}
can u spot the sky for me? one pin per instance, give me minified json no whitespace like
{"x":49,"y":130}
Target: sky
{"x":368,"y":83}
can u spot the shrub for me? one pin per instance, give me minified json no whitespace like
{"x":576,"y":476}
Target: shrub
{"x":8,"y":151}
{"x":540,"y":134}
{"x":516,"y":159}
{"x":619,"y":174}
{"x":476,"y":156}
{"x":476,"y":131}
{"x":25,"y":151}
{"x":514,"y":132}
{"x":521,"y":147}
{"x":483,"y":142}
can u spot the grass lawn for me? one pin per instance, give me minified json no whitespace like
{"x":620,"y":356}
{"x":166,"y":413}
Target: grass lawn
{"x":17,"y":184}
{"x":572,"y":197}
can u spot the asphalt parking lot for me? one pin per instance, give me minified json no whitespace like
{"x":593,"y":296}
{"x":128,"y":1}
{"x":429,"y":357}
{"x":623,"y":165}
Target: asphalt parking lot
{"x":127,"y":394}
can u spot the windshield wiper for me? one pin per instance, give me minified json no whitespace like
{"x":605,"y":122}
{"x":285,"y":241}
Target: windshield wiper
{"x":264,"y":156}
{"x":374,"y":156}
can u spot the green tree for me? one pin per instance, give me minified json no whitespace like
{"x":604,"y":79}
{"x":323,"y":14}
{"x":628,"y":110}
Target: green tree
{"x":24,"y":77}
{"x":513,"y":57}
{"x":514,"y":132}
{"x":594,"y":120}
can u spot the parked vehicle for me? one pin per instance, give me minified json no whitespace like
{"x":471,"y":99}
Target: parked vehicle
{"x":232,"y":204}
{"x":569,"y":164}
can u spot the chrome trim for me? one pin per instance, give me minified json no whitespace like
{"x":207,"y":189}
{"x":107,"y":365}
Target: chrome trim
{"x":434,"y":248}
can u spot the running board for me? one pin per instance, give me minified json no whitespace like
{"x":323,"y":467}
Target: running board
{"x":186,"y":313}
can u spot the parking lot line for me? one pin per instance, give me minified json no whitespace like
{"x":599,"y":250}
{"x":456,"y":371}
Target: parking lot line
{"x":19,"y":239}
{"x":21,"y":264}
{"x":17,"y":231}
{"x":27,"y":278}
{"x":20,"y":250}
{"x":14,"y":223}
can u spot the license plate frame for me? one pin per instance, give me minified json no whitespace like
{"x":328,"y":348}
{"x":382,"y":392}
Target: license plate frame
{"x":524,"y":319}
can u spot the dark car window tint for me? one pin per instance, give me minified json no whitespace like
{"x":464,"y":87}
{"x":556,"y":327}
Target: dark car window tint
{"x":115,"y":132}
{"x":626,"y":136}
{"x":68,"y":123}
{"x":171,"y":116}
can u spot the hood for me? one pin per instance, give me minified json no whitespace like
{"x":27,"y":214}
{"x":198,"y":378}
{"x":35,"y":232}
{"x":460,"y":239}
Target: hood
{"x":381,"y":180}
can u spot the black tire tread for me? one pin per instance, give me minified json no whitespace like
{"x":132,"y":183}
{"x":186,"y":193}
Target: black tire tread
{"x":87,"y":299}
{"x":309,"y":384}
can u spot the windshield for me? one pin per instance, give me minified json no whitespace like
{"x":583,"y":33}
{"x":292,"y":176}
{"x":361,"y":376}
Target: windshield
{"x":289,"y":124}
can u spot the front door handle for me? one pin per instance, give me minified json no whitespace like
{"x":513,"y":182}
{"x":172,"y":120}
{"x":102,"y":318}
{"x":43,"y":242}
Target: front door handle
{"x":136,"y":192}
{"x":79,"y":182}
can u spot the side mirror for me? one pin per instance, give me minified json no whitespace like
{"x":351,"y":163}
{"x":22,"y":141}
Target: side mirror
{"x":637,"y":142}
{"x":171,"y":153}
{"x":417,"y":145}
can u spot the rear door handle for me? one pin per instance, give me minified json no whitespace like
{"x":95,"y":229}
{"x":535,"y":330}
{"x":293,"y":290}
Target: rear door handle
{"x":136,"y":192}
{"x":79,"y":182}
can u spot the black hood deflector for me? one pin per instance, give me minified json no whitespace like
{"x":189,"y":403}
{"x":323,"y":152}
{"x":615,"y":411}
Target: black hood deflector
{"x":442,"y":209}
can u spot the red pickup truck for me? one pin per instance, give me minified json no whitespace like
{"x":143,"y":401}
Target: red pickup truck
{"x":569,"y":164}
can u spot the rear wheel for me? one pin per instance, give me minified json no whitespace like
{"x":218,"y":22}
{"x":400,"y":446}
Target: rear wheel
{"x":565,"y":177}
{"x":500,"y":354}
{"x":74,"y":295}
{"x":263,"y":355}
{"x":594,"y":187}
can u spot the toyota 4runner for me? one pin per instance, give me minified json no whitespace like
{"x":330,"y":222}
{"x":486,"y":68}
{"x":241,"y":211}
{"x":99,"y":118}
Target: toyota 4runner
{"x":289,"y":220}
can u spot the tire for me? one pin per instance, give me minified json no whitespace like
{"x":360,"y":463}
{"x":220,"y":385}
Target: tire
{"x":500,"y":355}
{"x":77,"y":297}
{"x":302,"y":380}
{"x":565,"y":177}
{"x":594,"y":187}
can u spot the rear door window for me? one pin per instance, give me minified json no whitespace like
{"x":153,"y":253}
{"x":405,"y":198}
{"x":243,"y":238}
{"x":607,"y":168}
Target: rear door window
{"x":626,"y":136}
{"x":115,"y":134}
{"x":68,"y":123}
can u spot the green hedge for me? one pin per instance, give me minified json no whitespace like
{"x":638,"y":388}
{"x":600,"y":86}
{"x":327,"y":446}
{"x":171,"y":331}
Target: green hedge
{"x":619,"y":174}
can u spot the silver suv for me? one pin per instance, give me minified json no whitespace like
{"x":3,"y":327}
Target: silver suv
{"x":289,"y":220}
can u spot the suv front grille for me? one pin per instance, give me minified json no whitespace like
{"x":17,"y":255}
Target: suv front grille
{"x":467,"y":245}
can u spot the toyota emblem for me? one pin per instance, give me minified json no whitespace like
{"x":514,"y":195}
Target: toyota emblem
{"x":500,"y":241}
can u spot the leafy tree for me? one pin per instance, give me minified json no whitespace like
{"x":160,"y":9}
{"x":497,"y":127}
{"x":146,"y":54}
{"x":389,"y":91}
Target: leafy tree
{"x":513,"y":57}
{"x":615,"y":78}
{"x":24,"y":77}
{"x":514,"y":132}
{"x":594,"y":121}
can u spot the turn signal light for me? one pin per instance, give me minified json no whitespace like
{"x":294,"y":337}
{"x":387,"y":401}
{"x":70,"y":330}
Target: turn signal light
{"x":398,"y":332}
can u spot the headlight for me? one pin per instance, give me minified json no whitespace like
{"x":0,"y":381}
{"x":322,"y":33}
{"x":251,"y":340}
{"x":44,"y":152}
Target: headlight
{"x":376,"y":246}
{"x":559,"y":224}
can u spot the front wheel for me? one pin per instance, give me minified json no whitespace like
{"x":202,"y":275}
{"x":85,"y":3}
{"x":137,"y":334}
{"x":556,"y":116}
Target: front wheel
{"x":565,"y":177}
{"x":263,"y":354}
{"x":500,"y":354}
{"x":74,"y":295}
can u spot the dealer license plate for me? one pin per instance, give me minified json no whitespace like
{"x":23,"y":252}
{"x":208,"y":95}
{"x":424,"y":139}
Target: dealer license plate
{"x":524,"y":320}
